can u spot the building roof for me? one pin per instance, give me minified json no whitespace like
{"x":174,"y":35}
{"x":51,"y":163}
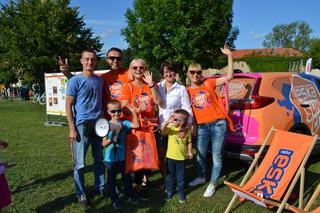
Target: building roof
{"x":267,"y":52}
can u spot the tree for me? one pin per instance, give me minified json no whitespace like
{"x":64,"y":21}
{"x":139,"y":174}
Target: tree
{"x":295,"y":35}
{"x":314,"y":53}
{"x":34,"y":33}
{"x":183,"y":31}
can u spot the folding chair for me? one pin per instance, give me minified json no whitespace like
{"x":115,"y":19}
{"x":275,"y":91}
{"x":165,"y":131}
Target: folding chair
{"x":283,"y":163}
{"x":309,"y":204}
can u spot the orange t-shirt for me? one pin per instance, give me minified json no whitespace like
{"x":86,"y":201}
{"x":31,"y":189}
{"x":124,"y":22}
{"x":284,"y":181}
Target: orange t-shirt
{"x":140,"y":96}
{"x":113,"y":83}
{"x":204,"y":109}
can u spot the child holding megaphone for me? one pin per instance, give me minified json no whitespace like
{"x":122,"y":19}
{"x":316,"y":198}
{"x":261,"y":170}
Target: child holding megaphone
{"x":114,"y":159}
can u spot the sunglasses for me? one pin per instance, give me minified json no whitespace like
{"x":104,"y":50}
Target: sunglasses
{"x":136,"y":68}
{"x":192,"y":72}
{"x":112,"y":58}
{"x":177,"y":120}
{"x":114,"y":111}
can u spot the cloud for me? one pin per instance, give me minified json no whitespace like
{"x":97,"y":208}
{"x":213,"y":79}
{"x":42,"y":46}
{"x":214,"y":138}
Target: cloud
{"x":102,"y":22}
{"x":257,"y":36}
{"x":106,"y":33}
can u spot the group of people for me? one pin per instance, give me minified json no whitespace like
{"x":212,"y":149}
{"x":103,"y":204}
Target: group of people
{"x":129,"y":97}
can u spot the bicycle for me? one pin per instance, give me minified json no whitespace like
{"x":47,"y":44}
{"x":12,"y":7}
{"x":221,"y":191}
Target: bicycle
{"x":39,"y":99}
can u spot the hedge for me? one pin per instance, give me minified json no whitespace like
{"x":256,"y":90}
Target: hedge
{"x":270,"y":63}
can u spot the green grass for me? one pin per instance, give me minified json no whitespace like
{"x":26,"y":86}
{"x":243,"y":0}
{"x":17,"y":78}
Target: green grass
{"x":42,"y":180}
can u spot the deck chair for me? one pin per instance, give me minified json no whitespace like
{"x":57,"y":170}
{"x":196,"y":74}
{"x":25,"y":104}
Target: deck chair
{"x":283,"y":163}
{"x":309,"y":204}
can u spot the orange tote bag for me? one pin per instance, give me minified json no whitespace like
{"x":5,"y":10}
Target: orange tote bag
{"x":141,"y":151}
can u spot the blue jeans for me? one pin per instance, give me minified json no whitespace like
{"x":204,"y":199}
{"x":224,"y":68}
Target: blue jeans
{"x":80,"y":149}
{"x":215,"y":132}
{"x":175,"y":168}
{"x":112,"y":168}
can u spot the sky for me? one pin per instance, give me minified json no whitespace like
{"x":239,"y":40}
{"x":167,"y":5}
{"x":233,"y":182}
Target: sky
{"x":254,"y":18}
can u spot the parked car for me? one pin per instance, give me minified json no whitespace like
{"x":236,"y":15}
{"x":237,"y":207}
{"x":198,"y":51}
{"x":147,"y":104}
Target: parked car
{"x":287,"y":101}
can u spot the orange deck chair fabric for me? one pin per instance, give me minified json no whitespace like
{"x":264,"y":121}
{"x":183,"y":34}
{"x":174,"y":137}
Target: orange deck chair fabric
{"x":285,"y":154}
{"x":283,"y":158}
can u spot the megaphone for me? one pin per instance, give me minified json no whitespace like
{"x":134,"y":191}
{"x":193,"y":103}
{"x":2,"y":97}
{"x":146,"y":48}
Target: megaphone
{"x":103,"y":126}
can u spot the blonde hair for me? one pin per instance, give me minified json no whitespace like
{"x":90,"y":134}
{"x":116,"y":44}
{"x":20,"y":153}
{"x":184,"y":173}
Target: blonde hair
{"x":141,"y":61}
{"x":194,"y":66}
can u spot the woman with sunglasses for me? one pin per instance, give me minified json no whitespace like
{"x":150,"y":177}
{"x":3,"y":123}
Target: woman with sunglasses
{"x":211,"y":119}
{"x":142,"y":93}
{"x":174,"y":96}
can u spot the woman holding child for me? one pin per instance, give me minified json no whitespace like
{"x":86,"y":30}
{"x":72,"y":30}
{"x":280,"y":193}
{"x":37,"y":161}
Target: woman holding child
{"x":174,"y":96}
{"x":211,"y":119}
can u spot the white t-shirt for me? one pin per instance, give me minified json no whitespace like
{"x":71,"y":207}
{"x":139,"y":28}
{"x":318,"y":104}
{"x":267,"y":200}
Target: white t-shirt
{"x":176,"y":98}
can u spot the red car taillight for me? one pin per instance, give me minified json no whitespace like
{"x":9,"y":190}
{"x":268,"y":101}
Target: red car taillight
{"x":256,"y":102}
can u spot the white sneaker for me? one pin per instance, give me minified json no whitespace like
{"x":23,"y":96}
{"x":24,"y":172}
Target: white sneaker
{"x":210,"y":190}
{"x":197,"y":181}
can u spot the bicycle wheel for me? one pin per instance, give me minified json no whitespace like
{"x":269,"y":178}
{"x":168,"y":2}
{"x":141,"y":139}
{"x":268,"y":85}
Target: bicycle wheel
{"x":42,"y":99}
{"x":35,"y":98}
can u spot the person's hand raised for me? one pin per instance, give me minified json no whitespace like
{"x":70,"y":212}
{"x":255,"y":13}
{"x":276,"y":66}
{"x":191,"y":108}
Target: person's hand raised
{"x":226,"y":50}
{"x":147,"y":77}
{"x":63,"y":65}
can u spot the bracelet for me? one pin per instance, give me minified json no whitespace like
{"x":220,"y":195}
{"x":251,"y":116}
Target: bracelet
{"x":151,"y":86}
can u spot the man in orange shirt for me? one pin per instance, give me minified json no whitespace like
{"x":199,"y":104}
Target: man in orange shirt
{"x":113,"y":80}
{"x":117,"y":77}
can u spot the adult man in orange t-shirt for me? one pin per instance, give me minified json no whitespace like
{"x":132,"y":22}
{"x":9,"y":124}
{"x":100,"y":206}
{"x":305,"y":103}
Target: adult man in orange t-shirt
{"x":113,"y":80}
{"x":117,"y":77}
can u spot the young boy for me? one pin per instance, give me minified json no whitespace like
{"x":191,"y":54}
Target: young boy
{"x":179,"y":149}
{"x":114,"y":159}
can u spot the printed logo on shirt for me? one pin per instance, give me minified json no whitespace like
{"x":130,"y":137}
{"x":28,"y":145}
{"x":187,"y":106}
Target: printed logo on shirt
{"x":144,"y":102}
{"x":115,"y":89}
{"x":200,"y":100}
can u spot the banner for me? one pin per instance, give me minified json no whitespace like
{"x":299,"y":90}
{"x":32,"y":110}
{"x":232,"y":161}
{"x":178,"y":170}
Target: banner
{"x":308,"y":65}
{"x":55,"y":90}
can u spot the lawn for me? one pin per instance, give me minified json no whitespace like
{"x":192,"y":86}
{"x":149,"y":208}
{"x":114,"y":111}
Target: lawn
{"x":42,"y":181}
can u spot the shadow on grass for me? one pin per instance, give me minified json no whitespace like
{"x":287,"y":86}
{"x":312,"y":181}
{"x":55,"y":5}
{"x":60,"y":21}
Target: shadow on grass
{"x":57,"y":204}
{"x":35,"y":182}
{"x":232,"y":170}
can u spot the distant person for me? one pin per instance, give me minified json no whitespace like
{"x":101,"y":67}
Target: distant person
{"x":9,"y":93}
{"x":179,"y":149}
{"x":174,"y":96}
{"x":36,"y":88}
{"x":114,"y":159}
{"x":84,"y":95}
{"x":211,"y":120}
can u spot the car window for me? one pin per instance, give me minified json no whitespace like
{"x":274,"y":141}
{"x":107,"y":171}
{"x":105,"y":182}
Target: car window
{"x":280,"y":84}
{"x":239,"y":88}
{"x":304,"y":90}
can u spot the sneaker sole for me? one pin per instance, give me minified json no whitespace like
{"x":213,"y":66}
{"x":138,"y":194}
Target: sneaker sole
{"x":209,"y":195}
